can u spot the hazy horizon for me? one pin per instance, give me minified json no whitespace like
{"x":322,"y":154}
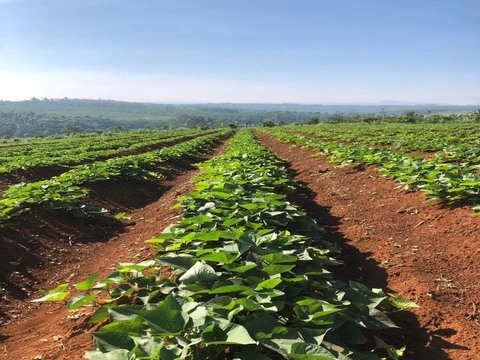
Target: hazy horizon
{"x":346,"y":103}
{"x":265,"y":51}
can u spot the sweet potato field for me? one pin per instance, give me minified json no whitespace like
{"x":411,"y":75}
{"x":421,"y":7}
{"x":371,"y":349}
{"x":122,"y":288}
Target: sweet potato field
{"x":295,"y":242}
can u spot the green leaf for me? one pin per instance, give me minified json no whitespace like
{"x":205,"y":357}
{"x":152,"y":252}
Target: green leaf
{"x":351,"y":334}
{"x":362,"y":294}
{"x":268,"y":284}
{"x":147,"y":345}
{"x":220,"y":257}
{"x":81,"y":300}
{"x":249,"y":304}
{"x":122,"y":216}
{"x":244,"y":268}
{"x":168,"y":317}
{"x":250,"y":206}
{"x":129,"y":267}
{"x":101,"y":313}
{"x":276,"y":343}
{"x":198,"y":316}
{"x":304,"y":351}
{"x":400,"y":303}
{"x":208,"y":205}
{"x":208,"y":235}
{"x":260,"y":322}
{"x":200,"y":272}
{"x":106,"y":341}
{"x":132,"y":327}
{"x":378,"y":320}
{"x":119,"y":354}
{"x":229,"y":289}
{"x":200,"y":219}
{"x":231,"y":222}
{"x":277,"y":258}
{"x":180,"y":261}
{"x":219,"y":195}
{"x":277,"y":269}
{"x":87,"y":284}
{"x":57,"y":294}
{"x":392,"y":351}
{"x":220,"y":302}
{"x":121,"y":313}
{"x":225,"y":332}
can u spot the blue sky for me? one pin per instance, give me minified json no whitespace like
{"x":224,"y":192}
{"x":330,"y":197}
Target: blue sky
{"x":242,"y":51}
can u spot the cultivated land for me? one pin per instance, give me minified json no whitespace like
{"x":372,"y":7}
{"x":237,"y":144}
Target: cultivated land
{"x":244,"y":270}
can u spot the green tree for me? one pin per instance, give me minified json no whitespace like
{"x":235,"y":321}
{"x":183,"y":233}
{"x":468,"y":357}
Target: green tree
{"x":337,"y":118}
{"x":410,"y":116}
{"x":267,"y":123}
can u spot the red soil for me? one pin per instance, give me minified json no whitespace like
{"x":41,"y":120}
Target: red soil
{"x":427,"y":252}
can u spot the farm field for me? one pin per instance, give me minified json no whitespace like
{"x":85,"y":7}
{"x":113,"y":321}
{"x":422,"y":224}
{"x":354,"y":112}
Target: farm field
{"x":36,"y":160}
{"x":426,"y":251}
{"x":450,"y":142}
{"x":302,"y":242}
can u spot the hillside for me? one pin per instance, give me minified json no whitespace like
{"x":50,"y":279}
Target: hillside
{"x":46,"y":117}
{"x":51,"y":116}
{"x":389,"y":107}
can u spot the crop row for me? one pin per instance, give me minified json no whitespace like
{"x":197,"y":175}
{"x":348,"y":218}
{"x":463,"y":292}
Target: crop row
{"x":73,"y":142}
{"x":7,"y":143}
{"x":243,"y":275}
{"x":425,"y":137}
{"x":63,"y":191}
{"x":440,"y":180}
{"x":80,"y":152}
{"x":450,"y":143}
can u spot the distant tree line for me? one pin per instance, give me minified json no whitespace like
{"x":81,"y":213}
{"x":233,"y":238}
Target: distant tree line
{"x":47,"y":117}
{"x":390,"y":109}
{"x":409,"y":116}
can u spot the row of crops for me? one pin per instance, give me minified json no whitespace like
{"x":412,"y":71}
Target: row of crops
{"x":83,"y":150}
{"x":64,"y":140}
{"x":453,"y":142}
{"x":244,"y":274}
{"x":447,"y":181}
{"x":65,"y":191}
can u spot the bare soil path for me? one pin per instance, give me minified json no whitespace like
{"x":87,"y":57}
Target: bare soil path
{"x":391,"y":239}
